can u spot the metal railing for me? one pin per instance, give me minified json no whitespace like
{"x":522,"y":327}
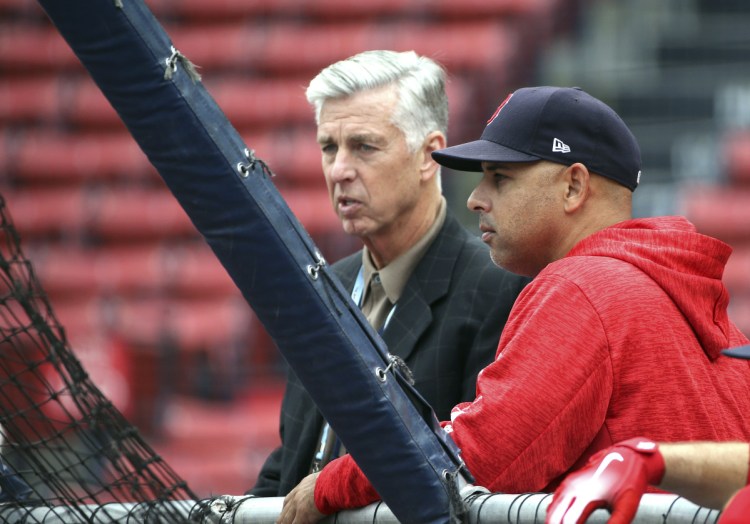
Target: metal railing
{"x":482,"y":507}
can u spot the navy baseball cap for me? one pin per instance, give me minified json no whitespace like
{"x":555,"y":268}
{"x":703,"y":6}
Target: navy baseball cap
{"x":560,"y":124}
{"x":738,"y":352}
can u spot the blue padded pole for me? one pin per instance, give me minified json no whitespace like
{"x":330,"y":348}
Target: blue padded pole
{"x":228,"y":195}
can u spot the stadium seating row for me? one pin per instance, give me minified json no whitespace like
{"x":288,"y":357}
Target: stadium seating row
{"x":43,"y":158}
{"x":198,"y":10}
{"x":288,"y":48}
{"x":720,"y":211}
{"x":134,"y":214}
{"x":182,"y":270}
{"x":255,"y":107}
{"x":217,"y":323}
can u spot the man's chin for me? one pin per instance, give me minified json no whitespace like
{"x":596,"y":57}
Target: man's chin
{"x":355,"y":228}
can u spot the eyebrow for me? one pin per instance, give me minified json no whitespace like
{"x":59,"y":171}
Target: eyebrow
{"x":356,"y":138}
{"x":366,"y":137}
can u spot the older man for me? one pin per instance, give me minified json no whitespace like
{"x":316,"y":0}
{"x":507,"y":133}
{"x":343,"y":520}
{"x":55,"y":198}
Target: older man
{"x":421,"y":279}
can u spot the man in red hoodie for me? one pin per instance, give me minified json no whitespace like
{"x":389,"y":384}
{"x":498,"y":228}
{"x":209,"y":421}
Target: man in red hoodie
{"x":619,"y":334}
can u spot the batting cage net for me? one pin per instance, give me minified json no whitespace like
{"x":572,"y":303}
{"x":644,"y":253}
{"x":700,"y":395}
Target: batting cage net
{"x":64,"y":445}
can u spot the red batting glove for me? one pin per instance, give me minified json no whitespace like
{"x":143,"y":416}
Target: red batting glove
{"x":738,"y":508}
{"x":614,"y":478}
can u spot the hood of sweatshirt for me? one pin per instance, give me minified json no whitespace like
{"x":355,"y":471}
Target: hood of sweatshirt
{"x":688,"y":266}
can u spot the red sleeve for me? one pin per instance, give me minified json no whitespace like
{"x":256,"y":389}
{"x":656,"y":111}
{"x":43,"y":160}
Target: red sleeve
{"x":543,"y":400}
{"x":342,"y":485}
{"x":539,"y":405}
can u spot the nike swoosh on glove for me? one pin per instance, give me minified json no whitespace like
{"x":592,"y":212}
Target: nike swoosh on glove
{"x":614,"y":478}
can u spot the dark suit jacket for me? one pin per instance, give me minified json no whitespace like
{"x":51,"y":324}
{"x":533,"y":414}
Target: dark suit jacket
{"x":446,"y":327}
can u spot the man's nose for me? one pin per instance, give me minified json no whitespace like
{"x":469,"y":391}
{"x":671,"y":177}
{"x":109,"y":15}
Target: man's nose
{"x":342,"y":167}
{"x":477,"y":201}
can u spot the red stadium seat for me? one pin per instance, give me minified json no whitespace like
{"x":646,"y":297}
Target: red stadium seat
{"x":723,"y":212}
{"x":29,"y":99}
{"x":41,"y":213}
{"x":196,"y":324}
{"x":35,"y":157}
{"x":28,"y":48}
{"x":138,"y":213}
{"x":264,"y":103}
{"x":739,"y":312}
{"x":132,"y":214}
{"x":48,"y":97}
{"x":186,"y":270}
{"x":193,"y":270}
{"x":119,"y":271}
{"x":736,"y":155}
{"x":215,"y":323}
{"x":737,"y":272}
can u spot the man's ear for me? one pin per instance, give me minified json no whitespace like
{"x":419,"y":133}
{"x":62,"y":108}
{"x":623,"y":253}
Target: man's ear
{"x":433,"y":142}
{"x":577,"y":187}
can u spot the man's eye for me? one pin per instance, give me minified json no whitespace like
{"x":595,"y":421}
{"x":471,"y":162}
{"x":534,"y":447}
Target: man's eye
{"x":328,"y":149}
{"x":366,"y":147}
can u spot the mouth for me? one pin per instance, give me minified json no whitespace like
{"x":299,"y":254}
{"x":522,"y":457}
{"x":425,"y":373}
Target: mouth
{"x":487,"y":232}
{"x":347,"y":205}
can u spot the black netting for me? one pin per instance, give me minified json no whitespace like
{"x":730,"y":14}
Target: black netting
{"x":64,"y":445}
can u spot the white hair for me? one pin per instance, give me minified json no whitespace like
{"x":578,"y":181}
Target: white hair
{"x":422,"y":105}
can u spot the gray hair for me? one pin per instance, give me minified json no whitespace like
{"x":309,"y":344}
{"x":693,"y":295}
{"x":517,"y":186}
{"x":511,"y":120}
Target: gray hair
{"x":422,"y":105}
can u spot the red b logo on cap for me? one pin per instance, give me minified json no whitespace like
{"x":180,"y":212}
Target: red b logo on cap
{"x":499,"y":108}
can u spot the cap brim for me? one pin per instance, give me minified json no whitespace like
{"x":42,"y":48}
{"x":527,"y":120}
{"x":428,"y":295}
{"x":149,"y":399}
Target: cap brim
{"x":469,"y":156}
{"x":738,"y":352}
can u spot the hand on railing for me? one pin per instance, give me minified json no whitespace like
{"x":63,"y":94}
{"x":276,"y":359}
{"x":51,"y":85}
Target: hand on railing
{"x":614,"y":478}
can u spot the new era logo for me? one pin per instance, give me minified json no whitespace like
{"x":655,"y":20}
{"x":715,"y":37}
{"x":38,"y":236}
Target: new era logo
{"x":558,"y":146}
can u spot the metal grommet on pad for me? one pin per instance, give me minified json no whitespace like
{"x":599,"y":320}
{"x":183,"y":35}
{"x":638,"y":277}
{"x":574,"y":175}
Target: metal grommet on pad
{"x":314,"y":269}
{"x":243,"y":170}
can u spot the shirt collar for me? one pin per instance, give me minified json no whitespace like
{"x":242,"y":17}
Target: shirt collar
{"x":395,"y":275}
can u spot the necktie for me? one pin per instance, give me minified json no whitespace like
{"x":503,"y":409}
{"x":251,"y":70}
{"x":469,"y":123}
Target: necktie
{"x":376,"y":306}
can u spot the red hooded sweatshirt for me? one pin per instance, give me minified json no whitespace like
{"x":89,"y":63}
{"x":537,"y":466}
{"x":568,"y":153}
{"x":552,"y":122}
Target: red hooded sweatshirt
{"x":620,"y":338}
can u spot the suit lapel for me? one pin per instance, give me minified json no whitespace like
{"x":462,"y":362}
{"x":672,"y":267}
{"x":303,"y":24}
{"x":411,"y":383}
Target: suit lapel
{"x":347,"y":269}
{"x":429,"y":282}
